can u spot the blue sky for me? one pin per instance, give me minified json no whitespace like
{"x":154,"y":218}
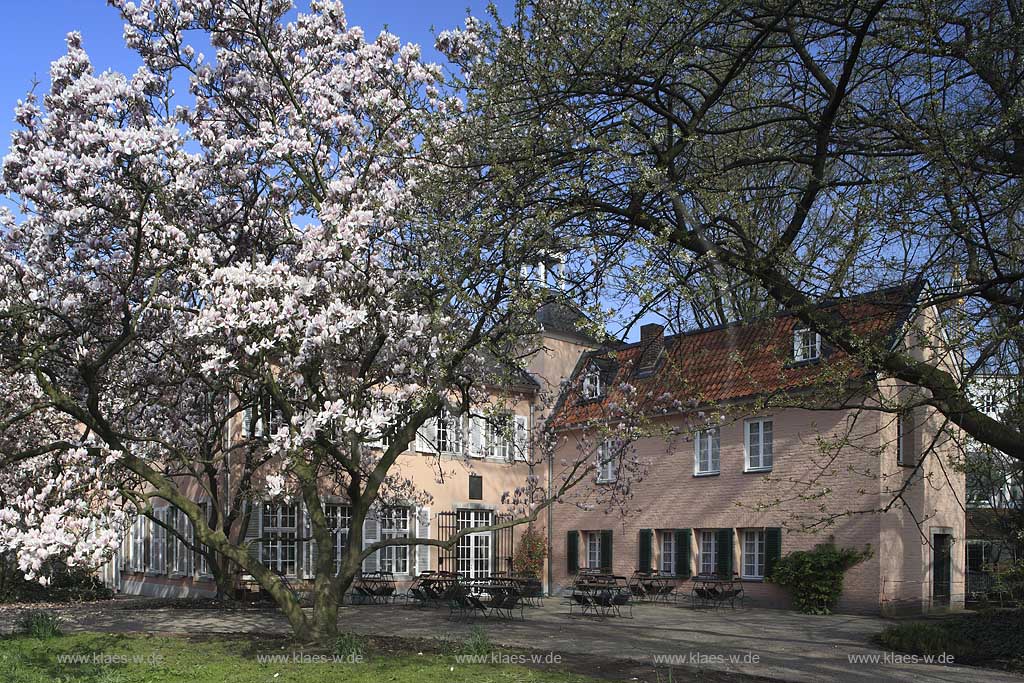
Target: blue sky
{"x":32,"y":35}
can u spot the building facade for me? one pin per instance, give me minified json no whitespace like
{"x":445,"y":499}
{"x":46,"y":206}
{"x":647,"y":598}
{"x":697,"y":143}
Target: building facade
{"x":464,"y":464}
{"x":764,"y":441}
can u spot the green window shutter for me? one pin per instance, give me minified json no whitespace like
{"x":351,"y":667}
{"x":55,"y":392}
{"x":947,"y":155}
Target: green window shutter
{"x":724,"y":553}
{"x":572,"y":551}
{"x":682,"y":543}
{"x":772,"y":549}
{"x":646,"y":538}
{"x":606,"y":550}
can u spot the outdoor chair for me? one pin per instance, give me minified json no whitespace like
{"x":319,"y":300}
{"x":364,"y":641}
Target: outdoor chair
{"x":461,"y":602}
{"x":622,"y":599}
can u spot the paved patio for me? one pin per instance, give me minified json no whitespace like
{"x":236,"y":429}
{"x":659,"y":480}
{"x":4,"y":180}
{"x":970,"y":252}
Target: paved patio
{"x":772,"y":643}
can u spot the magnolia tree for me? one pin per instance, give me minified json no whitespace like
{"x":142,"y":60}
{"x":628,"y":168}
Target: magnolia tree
{"x":286,"y":240}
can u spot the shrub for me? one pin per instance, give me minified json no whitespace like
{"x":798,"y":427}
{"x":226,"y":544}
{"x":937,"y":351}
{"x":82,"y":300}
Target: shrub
{"x":918,"y":637}
{"x":815,"y":577}
{"x":350,"y":645}
{"x":529,"y":556}
{"x":989,"y":637}
{"x":66,"y":584}
{"x":1008,"y":581}
{"x":478,"y":644}
{"x":39,"y":624}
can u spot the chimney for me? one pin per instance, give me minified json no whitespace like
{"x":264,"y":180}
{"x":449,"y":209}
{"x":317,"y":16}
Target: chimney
{"x":652,"y":341}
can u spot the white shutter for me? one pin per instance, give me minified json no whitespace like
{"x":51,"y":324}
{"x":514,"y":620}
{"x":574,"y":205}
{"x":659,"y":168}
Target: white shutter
{"x":371,"y":534}
{"x":422,"y":531}
{"x":426,"y":436}
{"x":797,"y":351}
{"x":476,"y":436}
{"x":158,"y":541}
{"x":187,"y":551}
{"x":522,"y":437}
{"x":254,"y":530}
{"x":246,"y":421}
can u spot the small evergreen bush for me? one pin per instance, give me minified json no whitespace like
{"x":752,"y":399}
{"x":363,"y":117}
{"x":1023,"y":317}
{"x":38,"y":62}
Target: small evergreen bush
{"x":530,"y":553}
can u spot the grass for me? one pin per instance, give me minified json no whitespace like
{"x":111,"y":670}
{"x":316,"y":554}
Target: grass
{"x":992,"y":637}
{"x":116,"y":658}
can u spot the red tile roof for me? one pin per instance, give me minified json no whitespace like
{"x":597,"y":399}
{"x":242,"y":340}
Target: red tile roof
{"x":730,"y":362}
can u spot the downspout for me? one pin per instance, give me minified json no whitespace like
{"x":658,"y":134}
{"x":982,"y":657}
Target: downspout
{"x":550,"y":513}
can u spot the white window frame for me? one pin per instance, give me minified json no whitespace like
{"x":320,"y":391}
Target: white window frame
{"x":593,"y":548}
{"x":592,"y":386}
{"x":157,"y":543}
{"x":394,"y":523}
{"x":806,"y":344}
{"x":708,"y":556}
{"x":499,"y":443}
{"x":451,"y":434}
{"x":339,"y":521}
{"x":279,"y":549}
{"x":607,"y":466}
{"x":761,"y":455}
{"x":707,"y":452}
{"x":473,"y":553}
{"x":754,"y":553}
{"x":667,"y":561}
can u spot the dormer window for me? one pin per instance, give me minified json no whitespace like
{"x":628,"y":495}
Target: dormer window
{"x":806,"y":345}
{"x":592,"y":385}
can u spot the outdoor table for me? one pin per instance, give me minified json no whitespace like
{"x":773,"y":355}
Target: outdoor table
{"x":599,"y":595}
{"x":712,"y":590}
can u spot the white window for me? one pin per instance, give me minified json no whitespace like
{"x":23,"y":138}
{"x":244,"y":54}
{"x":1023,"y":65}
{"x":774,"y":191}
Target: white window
{"x":394,"y":523}
{"x":668,"y":553}
{"x":473,"y":555}
{"x":759,"y":446}
{"x":901,"y":449}
{"x":592,"y":387}
{"x":449,"y":433}
{"x":607,"y":467}
{"x":593,"y":549}
{"x":753,"y":554}
{"x":261,"y":419}
{"x":499,"y":432}
{"x":157,"y":542}
{"x":989,"y":404}
{"x":708,"y":552}
{"x":806,"y":345}
{"x":279,"y":548}
{"x":339,"y":520}
{"x":707,"y":447}
{"x":178,"y":551}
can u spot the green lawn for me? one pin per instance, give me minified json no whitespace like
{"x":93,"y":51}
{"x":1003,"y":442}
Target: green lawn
{"x":157,"y":659}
